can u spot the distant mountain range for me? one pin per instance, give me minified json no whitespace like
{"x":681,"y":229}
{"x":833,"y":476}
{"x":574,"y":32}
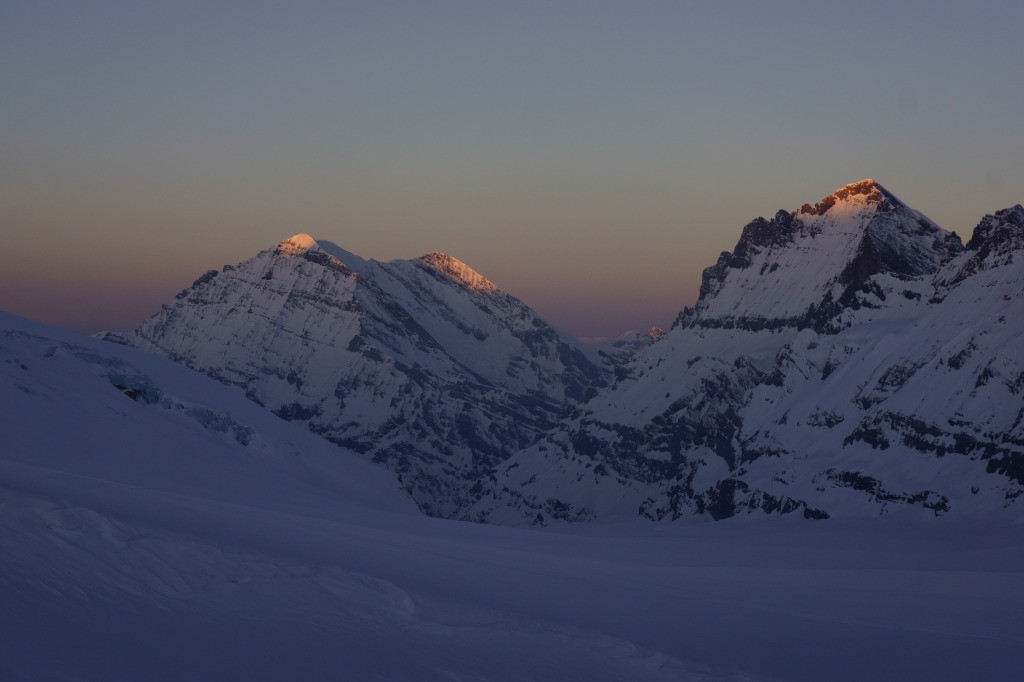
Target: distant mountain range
{"x":848,"y":358}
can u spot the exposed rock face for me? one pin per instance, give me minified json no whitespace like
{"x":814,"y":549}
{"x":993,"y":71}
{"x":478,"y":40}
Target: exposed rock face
{"x":848,"y":358}
{"x":871,"y":191}
{"x":422,"y":365}
{"x":997,"y":239}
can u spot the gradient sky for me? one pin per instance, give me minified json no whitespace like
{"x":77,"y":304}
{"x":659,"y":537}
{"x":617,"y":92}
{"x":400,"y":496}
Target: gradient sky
{"x":588,"y":157}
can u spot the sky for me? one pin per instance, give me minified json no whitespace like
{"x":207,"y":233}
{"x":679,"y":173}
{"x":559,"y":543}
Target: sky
{"x":590,"y":158}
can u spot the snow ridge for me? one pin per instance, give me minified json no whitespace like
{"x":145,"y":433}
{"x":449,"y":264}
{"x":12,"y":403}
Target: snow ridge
{"x":458,"y":271}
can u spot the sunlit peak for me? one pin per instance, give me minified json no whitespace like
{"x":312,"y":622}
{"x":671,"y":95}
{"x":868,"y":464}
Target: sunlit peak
{"x":298,"y":243}
{"x":458,"y":271}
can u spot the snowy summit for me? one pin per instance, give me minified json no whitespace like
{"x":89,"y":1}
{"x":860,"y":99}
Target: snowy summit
{"x":298,"y":243}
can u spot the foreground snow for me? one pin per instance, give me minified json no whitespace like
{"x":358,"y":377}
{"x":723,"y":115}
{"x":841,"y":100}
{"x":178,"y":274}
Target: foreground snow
{"x":156,"y":525}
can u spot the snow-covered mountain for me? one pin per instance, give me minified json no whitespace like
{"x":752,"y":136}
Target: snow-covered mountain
{"x":423,"y":365}
{"x":803,"y":268}
{"x":847,"y":358}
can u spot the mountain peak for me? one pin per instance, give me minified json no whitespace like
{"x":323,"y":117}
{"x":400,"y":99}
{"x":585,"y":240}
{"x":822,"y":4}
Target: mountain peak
{"x":867,"y":191}
{"x":298,"y":243}
{"x":457,"y":270}
{"x":804,"y":268}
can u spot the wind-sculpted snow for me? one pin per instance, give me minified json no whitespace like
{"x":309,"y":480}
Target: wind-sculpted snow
{"x":422,"y":365}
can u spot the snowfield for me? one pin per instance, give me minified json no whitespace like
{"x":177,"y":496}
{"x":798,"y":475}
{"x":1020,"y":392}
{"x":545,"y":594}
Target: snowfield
{"x":156,"y":525}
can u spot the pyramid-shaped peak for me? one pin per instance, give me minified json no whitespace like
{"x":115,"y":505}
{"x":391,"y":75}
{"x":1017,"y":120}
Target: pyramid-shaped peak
{"x":868,"y":191}
{"x":298,"y":243}
{"x":458,"y":271}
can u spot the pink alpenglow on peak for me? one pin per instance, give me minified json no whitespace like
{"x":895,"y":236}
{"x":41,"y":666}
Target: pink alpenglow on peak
{"x":458,"y":271}
{"x":298,"y":243}
{"x":866,"y":191}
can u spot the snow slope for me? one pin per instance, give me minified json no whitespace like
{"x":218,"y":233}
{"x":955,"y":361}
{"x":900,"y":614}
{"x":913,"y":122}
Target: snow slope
{"x":156,"y":525}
